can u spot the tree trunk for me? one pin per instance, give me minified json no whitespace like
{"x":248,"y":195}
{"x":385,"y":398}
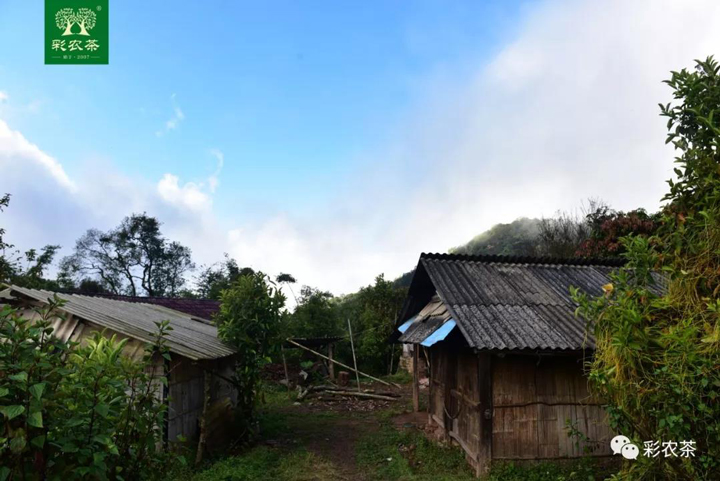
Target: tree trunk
{"x":82,"y":30}
{"x":68,"y":26}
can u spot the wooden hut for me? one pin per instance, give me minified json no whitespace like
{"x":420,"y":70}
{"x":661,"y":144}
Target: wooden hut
{"x":200,"y":363}
{"x":506,"y":354}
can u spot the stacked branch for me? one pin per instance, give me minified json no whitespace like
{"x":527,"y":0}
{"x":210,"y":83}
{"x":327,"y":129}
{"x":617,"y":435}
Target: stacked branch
{"x":335,"y":391}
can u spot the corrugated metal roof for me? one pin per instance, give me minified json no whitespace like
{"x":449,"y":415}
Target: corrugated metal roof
{"x":430,"y":318}
{"x":201,"y":308}
{"x":191,"y":337}
{"x":502,"y":303}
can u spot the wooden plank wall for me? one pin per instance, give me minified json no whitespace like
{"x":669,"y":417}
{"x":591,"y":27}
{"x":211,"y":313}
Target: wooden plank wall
{"x":186,"y":391}
{"x":438,"y":373}
{"x":532,"y":399}
{"x":457,"y":404}
{"x":186,"y":388}
{"x":465,"y":403}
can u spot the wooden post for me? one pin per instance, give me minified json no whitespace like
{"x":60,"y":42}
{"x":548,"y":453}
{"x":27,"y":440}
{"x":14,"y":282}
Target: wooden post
{"x":416,"y":377}
{"x":392,"y":358}
{"x":485,"y":388}
{"x":287,"y":377}
{"x":352,"y":347}
{"x":207,"y":378}
{"x":331,"y":365}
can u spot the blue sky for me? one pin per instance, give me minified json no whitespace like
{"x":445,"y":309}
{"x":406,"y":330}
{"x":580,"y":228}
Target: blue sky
{"x":338,"y":140}
{"x":289,"y":91}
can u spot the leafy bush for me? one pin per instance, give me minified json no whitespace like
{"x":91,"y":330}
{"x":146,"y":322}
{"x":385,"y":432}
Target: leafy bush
{"x":657,"y":356}
{"x":249,"y":320}
{"x":72,"y":412}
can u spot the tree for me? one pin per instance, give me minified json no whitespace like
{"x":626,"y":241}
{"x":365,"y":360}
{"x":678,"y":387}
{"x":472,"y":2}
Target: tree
{"x":218,"y":277}
{"x":288,"y":280}
{"x":608,"y":227}
{"x":373,"y":312}
{"x":65,"y":18}
{"x":657,"y":355}
{"x":315,"y":315}
{"x":131,"y":259}
{"x":249,"y":320}
{"x":86,"y":18}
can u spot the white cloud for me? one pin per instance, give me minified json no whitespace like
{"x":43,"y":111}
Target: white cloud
{"x":14,"y":147}
{"x":3,"y":96}
{"x":566,"y":110}
{"x":188,"y":195}
{"x":172,"y":123}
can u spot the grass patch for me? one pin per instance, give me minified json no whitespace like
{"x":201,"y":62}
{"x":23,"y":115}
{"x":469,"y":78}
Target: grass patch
{"x":400,"y":377}
{"x":580,"y":470}
{"x":266,"y":464}
{"x":407,"y":455}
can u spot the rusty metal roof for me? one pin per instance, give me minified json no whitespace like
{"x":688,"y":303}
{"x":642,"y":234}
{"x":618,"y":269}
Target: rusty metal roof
{"x":502,"y":303}
{"x":191,"y":337}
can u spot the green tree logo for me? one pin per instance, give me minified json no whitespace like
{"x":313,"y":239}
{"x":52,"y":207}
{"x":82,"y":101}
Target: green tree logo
{"x":66,"y":18}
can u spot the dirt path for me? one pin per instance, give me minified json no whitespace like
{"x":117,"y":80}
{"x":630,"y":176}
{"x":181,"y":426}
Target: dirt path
{"x":331,"y":428}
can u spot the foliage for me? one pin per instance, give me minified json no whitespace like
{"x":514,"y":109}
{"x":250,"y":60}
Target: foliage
{"x":288,"y":280}
{"x":657,"y":356}
{"x":373,"y":311}
{"x":608,"y":227}
{"x":316,"y":315}
{"x":561,"y":235}
{"x":134,"y":258}
{"x":580,"y":470}
{"x":216,"y":278}
{"x":249,"y":320}
{"x":265,"y":464}
{"x":72,"y":412}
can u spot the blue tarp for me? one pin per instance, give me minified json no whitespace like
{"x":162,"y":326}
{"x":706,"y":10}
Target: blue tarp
{"x":439,"y":334}
{"x":406,"y":324}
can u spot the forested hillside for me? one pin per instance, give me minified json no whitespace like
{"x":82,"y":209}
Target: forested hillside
{"x":516,"y":238}
{"x":596,"y":232}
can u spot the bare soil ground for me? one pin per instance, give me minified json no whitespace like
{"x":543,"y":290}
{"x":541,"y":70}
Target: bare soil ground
{"x":331,"y":426}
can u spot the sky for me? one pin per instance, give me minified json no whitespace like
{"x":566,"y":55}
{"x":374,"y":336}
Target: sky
{"x":338,"y":140}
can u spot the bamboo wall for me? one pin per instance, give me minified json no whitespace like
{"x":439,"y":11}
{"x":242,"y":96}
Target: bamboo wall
{"x":513,"y":407}
{"x":532,"y":400}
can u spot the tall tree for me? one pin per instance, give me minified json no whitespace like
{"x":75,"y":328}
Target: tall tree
{"x":213,"y":280}
{"x":249,"y":320}
{"x":133,"y":258}
{"x":375,"y":309}
{"x":315,"y":315}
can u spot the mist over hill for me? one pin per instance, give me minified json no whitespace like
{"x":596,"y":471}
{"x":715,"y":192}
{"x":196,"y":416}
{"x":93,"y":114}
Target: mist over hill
{"x":514,"y":239}
{"x":518,"y":238}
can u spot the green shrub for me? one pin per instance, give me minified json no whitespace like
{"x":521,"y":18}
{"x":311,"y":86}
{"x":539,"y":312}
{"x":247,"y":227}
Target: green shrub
{"x":72,"y":412}
{"x":657,"y":356}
